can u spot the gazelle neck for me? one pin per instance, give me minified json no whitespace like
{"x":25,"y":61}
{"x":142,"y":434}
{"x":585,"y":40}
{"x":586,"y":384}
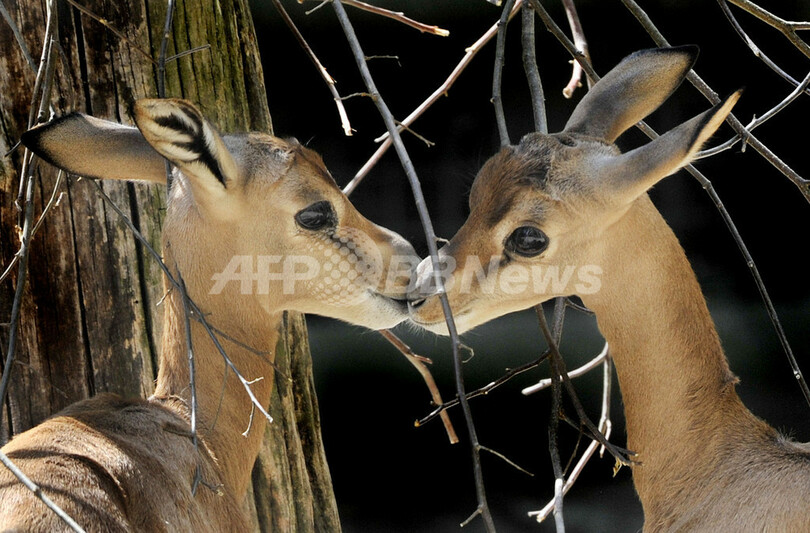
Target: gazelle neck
{"x":227,"y":422}
{"x":676,"y":385}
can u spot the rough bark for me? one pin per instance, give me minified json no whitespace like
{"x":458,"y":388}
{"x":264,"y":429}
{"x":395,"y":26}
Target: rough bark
{"x":91,"y":319}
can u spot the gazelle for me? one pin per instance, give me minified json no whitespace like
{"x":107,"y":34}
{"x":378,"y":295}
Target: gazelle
{"x":255,"y":226}
{"x":571,"y":201}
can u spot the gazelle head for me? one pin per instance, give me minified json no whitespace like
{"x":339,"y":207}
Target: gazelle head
{"x":542,"y":212}
{"x":253,"y":220}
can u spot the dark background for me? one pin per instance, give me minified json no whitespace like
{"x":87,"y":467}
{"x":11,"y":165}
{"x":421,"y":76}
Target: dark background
{"x":392,"y":477}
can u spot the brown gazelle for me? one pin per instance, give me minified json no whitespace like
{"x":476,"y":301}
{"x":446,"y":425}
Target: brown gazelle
{"x":255,"y":226}
{"x":567,"y":213}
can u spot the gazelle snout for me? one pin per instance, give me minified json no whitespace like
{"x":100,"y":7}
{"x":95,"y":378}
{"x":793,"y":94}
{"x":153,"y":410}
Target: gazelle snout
{"x":400,"y":264}
{"x":424,"y":282}
{"x":424,"y":304}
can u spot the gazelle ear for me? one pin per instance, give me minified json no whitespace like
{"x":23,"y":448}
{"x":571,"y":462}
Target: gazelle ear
{"x":179,"y":132}
{"x":95,"y":148}
{"x":636,"y":171}
{"x":630,"y":91}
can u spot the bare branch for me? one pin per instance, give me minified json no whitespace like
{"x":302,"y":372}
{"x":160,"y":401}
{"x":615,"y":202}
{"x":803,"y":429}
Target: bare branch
{"x":52,"y":201}
{"x":330,"y":82}
{"x":786,"y":27}
{"x":556,"y":407}
{"x":486,"y":389}
{"x":538,"y":98}
{"x":30,"y":485}
{"x":582,"y":45}
{"x":164,"y":45}
{"x":711,"y":95}
{"x":497,"y":75}
{"x":17,"y":36}
{"x":758,"y":121}
{"x":430,"y":236}
{"x":419,"y":363}
{"x":469,"y":54}
{"x":584,"y":369}
{"x":754,"y":48}
{"x":605,"y":426}
{"x":118,"y":33}
{"x":192,"y":379}
{"x":399,"y":17}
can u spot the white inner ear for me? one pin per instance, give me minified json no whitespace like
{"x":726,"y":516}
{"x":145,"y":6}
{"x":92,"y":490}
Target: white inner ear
{"x":176,"y":152}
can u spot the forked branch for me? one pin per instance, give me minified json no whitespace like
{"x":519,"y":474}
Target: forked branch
{"x":430,"y":235}
{"x":788,"y":28}
{"x":399,"y":17}
{"x":442,"y":90}
{"x":419,"y":363}
{"x":756,"y":50}
{"x":580,"y":42}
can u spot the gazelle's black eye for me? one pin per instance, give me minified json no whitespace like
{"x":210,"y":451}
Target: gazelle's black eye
{"x":527,"y":241}
{"x":317,"y":216}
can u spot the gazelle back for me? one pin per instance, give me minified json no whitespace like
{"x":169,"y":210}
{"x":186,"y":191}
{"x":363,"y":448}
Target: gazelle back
{"x":568,"y":213}
{"x":255,"y":226}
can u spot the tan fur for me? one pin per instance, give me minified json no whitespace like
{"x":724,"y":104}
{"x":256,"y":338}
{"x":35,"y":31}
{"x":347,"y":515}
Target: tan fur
{"x":705,"y":463}
{"x":128,"y":464}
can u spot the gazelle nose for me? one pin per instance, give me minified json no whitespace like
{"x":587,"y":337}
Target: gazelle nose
{"x":424,"y":285}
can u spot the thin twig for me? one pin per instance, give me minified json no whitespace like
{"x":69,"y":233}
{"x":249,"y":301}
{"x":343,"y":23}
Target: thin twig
{"x":786,"y":27}
{"x":30,"y":485}
{"x":529,"y":55}
{"x":192,"y":381}
{"x":577,"y":372}
{"x":430,"y":235}
{"x":506,"y":460}
{"x":758,"y":121}
{"x":556,"y":414}
{"x":442,"y":90}
{"x":419,"y":363}
{"x":497,"y":75}
{"x":52,"y":201}
{"x":118,"y":33}
{"x":580,"y":42}
{"x":399,"y":17}
{"x":18,"y":36}
{"x":802,"y":184}
{"x":486,"y":389}
{"x":164,"y":46}
{"x":330,"y":82}
{"x":188,"y":52}
{"x":196,"y":312}
{"x":757,"y":51}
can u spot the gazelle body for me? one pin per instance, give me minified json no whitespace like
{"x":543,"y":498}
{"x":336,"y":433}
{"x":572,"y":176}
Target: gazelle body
{"x":572,"y":200}
{"x":117,"y":464}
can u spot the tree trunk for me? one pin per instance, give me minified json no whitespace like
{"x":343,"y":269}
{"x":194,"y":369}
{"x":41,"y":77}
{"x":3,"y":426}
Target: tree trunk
{"x":91,"y":317}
